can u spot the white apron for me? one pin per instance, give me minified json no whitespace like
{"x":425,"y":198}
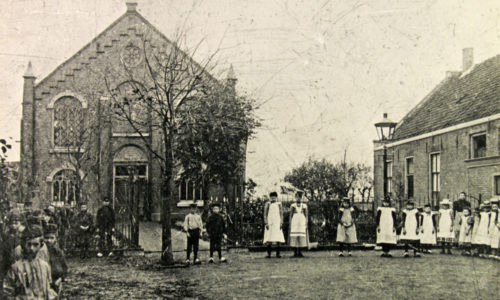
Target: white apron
{"x":428,"y":236}
{"x":411,"y":225}
{"x":274,"y":234}
{"x":465,"y":234}
{"x":482,"y":236}
{"x":387,"y":234}
{"x":445,"y":226}
{"x":494,"y":231}
{"x":299,"y":222}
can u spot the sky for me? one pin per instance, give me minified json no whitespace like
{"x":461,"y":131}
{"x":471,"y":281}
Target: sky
{"x":323,"y":72}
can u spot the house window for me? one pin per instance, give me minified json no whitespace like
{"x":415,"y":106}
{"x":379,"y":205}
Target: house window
{"x":478,"y":145}
{"x":388,"y":179}
{"x":67,"y":122}
{"x":409,"y":177}
{"x":435,"y":175}
{"x":496,"y":185}
{"x":64,"y":187}
{"x":129,"y":110}
{"x":190,"y":191}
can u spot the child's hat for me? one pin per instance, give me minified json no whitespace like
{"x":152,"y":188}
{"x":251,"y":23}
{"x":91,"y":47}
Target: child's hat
{"x":445,"y":202}
{"x":494,"y":200}
{"x":410,"y":203}
{"x":215,"y":204}
{"x":273,"y":194}
{"x":32,"y":232}
{"x":346,"y":199}
{"x":486,"y":203}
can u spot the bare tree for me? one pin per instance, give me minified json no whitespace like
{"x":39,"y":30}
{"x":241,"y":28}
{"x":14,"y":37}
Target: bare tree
{"x":161,"y":79}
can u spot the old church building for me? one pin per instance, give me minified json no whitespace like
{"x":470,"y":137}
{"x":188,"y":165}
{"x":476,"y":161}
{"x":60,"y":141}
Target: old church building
{"x":66,"y":160}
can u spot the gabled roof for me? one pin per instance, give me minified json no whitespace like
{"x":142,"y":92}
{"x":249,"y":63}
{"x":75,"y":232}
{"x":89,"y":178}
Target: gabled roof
{"x":457,"y":99}
{"x":116,"y":31}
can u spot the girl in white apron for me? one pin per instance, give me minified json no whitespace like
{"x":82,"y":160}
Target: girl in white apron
{"x":409,"y":233}
{"x":445,"y":232}
{"x":298,"y":225}
{"x":482,"y":236}
{"x":346,"y":229}
{"x":273,"y":223}
{"x":474,"y":241}
{"x":465,"y":233}
{"x":494,"y":230}
{"x":427,"y":229}
{"x":386,"y":227}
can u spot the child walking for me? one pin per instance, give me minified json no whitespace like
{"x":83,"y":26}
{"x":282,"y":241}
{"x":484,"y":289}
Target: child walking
{"x":216,"y":230}
{"x":427,"y":229}
{"x":346,"y":229}
{"x":386,"y":227}
{"x":410,"y":227}
{"x":298,"y":225}
{"x":273,"y":224}
{"x":445,"y":232}
{"x":193,"y":227}
{"x":465,"y":233}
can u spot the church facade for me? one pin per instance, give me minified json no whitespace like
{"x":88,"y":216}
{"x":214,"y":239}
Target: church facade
{"x":74,"y":151}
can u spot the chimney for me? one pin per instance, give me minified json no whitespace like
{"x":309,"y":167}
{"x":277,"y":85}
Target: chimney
{"x":231,"y":78}
{"x":28,"y":126}
{"x":468,"y":59}
{"x":131,"y":6}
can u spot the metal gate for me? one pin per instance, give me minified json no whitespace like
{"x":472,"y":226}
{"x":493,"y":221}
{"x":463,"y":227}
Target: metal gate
{"x":130,"y":202}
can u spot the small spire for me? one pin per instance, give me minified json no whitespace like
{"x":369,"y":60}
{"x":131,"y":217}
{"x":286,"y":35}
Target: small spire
{"x":131,"y":6}
{"x":230,"y":74}
{"x":29,"y":71}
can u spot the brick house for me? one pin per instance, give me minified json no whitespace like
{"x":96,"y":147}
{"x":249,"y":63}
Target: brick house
{"x":53,"y":111}
{"x":448,"y":143}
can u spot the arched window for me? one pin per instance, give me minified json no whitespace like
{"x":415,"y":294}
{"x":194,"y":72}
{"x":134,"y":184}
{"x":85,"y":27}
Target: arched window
{"x":68,"y":122}
{"x":64,"y":186}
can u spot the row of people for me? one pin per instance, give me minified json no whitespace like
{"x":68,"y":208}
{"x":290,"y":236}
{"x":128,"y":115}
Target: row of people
{"x":478,"y":234}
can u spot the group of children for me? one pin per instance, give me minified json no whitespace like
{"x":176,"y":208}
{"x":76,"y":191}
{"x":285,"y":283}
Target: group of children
{"x":215,"y":228}
{"x":477,"y":234}
{"x":32,"y":264}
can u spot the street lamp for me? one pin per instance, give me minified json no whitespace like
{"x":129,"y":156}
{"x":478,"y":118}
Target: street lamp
{"x":385,"y":131}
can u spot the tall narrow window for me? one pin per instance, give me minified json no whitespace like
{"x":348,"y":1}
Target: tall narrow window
{"x":68,"y":122}
{"x":478,"y":145}
{"x":409,"y":177}
{"x":190,"y":191}
{"x":388,"y":180}
{"x":496,"y":185}
{"x":435,"y":175}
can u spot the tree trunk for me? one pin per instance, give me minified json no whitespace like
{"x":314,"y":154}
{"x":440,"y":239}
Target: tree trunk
{"x":167,"y":257}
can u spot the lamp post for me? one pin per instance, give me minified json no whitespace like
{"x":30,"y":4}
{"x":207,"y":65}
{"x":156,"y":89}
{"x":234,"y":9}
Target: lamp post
{"x":385,"y":131}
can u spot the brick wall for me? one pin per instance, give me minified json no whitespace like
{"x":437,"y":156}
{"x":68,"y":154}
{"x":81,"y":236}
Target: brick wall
{"x":458,"y":171}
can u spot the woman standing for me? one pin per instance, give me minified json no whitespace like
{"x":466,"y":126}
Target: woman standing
{"x":298,"y":225}
{"x":273,"y":219}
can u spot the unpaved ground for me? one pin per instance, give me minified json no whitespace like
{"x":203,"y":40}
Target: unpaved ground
{"x":321,"y":275}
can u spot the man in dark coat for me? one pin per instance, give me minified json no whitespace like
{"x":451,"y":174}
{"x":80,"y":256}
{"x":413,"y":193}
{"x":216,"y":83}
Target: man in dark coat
{"x":84,"y":223}
{"x":216,"y":230}
{"x":105,"y":227}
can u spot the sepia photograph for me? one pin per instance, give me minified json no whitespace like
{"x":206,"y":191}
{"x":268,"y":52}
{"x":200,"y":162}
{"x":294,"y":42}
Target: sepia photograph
{"x":233,"y":149}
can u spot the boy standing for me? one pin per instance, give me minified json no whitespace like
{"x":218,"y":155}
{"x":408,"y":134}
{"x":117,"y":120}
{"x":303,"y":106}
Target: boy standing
{"x":84,"y":230}
{"x":105,"y":221}
{"x":193,"y":227}
{"x":216,"y":230}
{"x":57,"y":260}
{"x":20,"y":282}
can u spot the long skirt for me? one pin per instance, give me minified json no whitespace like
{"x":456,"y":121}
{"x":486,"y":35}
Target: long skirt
{"x":346,"y":235}
{"x":298,"y":236}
